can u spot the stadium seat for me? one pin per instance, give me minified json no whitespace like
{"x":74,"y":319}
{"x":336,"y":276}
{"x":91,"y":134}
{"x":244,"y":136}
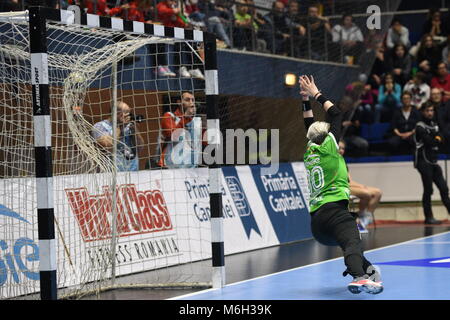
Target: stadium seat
{"x":377,"y":132}
{"x":365,"y":131}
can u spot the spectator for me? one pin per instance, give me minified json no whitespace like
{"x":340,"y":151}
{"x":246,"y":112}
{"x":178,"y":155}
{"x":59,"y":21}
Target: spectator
{"x":419,"y":90}
{"x":439,"y":106}
{"x":296,"y":30}
{"x":349,"y":37}
{"x":369,"y":197}
{"x":398,"y":62}
{"x":128,"y":138}
{"x":149,"y":10}
{"x":435,"y":25}
{"x":447,"y":62}
{"x":397,"y":34}
{"x":169,"y":14}
{"x":428,"y":56}
{"x":131,"y":10}
{"x":356,"y":145}
{"x":276,"y":29}
{"x":368,"y":100}
{"x":98,"y":7}
{"x":244,"y":27}
{"x":258,"y":19}
{"x":389,"y":99}
{"x":428,"y":139}
{"x":373,"y":38}
{"x":218,"y":19}
{"x":169,"y":136}
{"x":378,"y":67}
{"x":318,"y":33}
{"x":193,"y":13}
{"x":445,"y":51}
{"x":403,"y":126}
{"x":442,"y":81}
{"x":436,"y":99}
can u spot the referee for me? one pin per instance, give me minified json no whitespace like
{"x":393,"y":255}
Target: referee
{"x":428,"y":140}
{"x":331,"y":222}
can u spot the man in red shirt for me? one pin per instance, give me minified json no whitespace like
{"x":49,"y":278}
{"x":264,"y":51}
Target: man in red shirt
{"x":442,"y":81}
{"x":169,"y":14}
{"x":128,"y":11}
{"x":101,"y":7}
{"x":171,"y":121}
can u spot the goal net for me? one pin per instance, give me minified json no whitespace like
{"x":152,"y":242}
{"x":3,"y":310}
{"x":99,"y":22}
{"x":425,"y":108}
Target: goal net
{"x":121,"y":218}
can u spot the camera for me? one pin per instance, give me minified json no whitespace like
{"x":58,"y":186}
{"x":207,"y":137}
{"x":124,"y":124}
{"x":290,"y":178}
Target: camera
{"x":129,"y":154}
{"x":136,"y":117}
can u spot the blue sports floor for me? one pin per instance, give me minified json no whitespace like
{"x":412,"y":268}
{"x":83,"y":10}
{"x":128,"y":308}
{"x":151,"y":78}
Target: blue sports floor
{"x":413,"y":270}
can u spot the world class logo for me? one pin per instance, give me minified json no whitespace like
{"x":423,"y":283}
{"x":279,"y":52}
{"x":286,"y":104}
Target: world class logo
{"x":138,"y":212}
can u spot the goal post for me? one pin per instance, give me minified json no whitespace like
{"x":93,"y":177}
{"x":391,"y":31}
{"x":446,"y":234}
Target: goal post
{"x":43,"y":153}
{"x":96,"y":226}
{"x":215,"y":192}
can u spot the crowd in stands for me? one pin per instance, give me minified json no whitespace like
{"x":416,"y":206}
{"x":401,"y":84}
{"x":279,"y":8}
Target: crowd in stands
{"x":404,"y":75}
{"x":285,"y":29}
{"x":403,"y":78}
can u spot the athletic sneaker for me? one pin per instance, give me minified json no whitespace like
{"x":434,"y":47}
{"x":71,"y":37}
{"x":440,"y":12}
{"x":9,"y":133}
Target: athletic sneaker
{"x":362,"y":228}
{"x":373,"y":273}
{"x":165,"y":72}
{"x":184,"y":73}
{"x":196,"y":73}
{"x":366,"y":218}
{"x":365,"y":285}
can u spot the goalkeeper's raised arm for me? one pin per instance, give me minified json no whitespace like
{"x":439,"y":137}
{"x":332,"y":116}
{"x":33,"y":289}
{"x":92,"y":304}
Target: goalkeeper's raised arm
{"x":318,"y":132}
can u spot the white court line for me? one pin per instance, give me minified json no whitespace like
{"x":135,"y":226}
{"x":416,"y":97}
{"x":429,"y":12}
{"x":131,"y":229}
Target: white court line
{"x":437,"y":242}
{"x":303,"y":267}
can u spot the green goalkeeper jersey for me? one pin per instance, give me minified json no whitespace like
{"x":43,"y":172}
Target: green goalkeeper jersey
{"x":327,"y":173}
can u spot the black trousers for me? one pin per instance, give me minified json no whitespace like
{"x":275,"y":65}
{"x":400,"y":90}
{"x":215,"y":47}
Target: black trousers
{"x":332,"y":224}
{"x":432,"y":173}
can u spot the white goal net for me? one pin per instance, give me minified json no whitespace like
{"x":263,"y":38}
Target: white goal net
{"x":121,"y":219}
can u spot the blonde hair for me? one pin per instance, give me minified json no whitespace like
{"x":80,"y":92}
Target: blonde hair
{"x":318,"y":131}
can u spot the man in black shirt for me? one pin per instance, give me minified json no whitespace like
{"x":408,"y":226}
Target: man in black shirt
{"x":428,"y":139}
{"x":403,"y":124}
{"x":318,"y":34}
{"x":351,"y":130}
{"x":275,"y":30}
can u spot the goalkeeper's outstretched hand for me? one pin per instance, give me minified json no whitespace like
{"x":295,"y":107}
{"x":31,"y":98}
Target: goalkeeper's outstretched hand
{"x":308,"y":86}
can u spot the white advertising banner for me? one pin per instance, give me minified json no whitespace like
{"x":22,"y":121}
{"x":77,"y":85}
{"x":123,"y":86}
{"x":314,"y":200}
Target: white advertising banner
{"x":162,"y":219}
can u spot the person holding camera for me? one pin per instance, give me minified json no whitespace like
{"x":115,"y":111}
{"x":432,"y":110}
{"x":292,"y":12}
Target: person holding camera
{"x":428,"y":139}
{"x":128,"y":137}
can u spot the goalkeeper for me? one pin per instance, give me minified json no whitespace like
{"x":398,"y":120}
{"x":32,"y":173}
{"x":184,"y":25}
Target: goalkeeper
{"x":331,"y":222}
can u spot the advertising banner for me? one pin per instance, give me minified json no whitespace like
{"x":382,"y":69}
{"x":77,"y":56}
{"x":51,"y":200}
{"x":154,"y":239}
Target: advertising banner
{"x":284,"y":202}
{"x":162,"y":218}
